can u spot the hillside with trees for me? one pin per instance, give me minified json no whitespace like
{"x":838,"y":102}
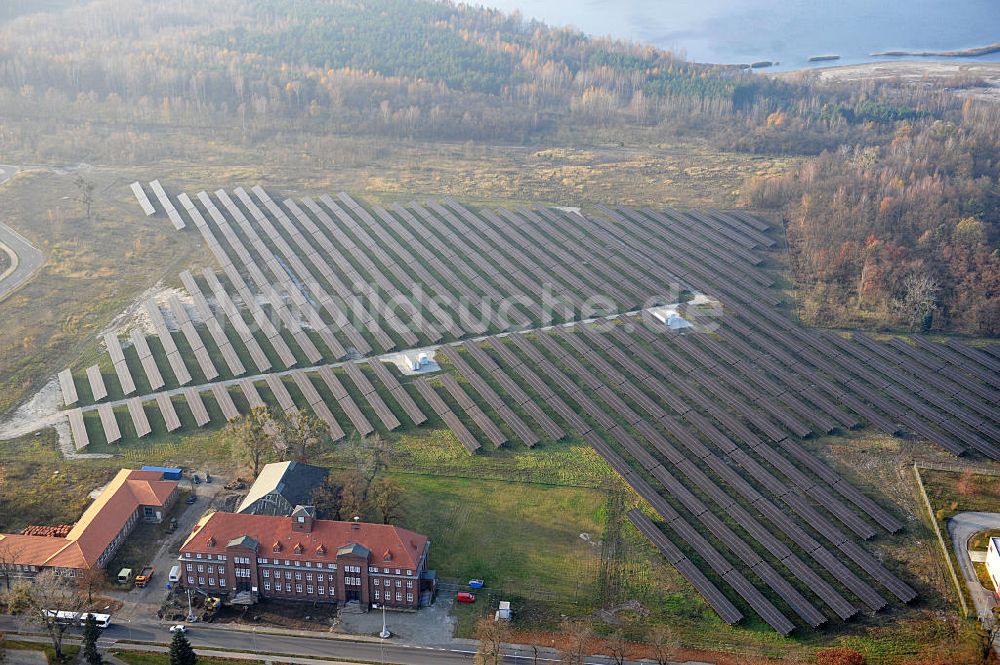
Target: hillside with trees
{"x":892,"y":223}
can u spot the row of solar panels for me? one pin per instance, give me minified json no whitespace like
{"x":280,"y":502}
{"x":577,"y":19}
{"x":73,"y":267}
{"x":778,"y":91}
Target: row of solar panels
{"x":586,"y":386}
{"x":346,"y":404}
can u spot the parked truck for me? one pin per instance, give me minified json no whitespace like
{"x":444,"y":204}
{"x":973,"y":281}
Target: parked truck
{"x":146,"y":574}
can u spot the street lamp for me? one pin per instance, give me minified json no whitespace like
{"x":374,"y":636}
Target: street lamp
{"x":385,"y":634}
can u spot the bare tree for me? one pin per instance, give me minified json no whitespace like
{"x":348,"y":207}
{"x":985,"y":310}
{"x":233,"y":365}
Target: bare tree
{"x":91,"y":580}
{"x":386,"y":498}
{"x":576,"y":633}
{"x":51,"y":591}
{"x":353,"y":498}
{"x":665,"y":644}
{"x":618,"y":646}
{"x":491,"y":635}
{"x":302,"y":433}
{"x":10,"y":555}
{"x":85,"y":195}
{"x":918,"y":301}
{"x":253,"y":438}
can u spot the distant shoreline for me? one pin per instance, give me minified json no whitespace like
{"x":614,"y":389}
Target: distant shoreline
{"x":963,"y":53}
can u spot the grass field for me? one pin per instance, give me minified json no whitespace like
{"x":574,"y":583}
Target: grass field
{"x":150,"y":658}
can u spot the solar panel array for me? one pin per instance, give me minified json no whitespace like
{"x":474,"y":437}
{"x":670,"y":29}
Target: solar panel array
{"x":168,"y":206}
{"x":706,"y":426}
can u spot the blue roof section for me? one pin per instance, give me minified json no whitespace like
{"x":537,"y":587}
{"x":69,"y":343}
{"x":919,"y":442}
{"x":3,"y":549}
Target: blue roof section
{"x":169,"y":472}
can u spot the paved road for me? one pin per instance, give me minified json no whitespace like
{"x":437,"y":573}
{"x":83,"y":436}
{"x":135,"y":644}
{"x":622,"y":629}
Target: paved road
{"x":961,"y":527}
{"x":27,"y":259}
{"x":298,"y":647}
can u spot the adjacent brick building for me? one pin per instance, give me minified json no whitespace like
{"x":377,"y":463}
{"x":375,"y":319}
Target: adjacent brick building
{"x":131,"y":496}
{"x":302,"y":558}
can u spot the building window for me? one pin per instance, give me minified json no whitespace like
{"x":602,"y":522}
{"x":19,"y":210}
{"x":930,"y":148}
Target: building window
{"x":321,"y":590}
{"x":399,"y":597}
{"x":377,"y":594}
{"x":331,"y":566}
{"x":409,"y":573}
{"x":309,"y":588}
{"x":198,"y":555}
{"x":277,"y":586}
{"x":409,"y":584}
{"x":267,"y":573}
{"x":372,"y":569}
{"x":309,"y":564}
{"x":211,"y":581}
{"x":298,"y":576}
{"x":309,"y":577}
{"x":332,"y":578}
{"x":201,"y":568}
{"x":399,"y":583}
{"x":288,"y":574}
{"x":261,"y":560}
{"x":397,"y":571}
{"x":267,"y":586}
{"x":376,"y":581}
{"x":201,"y":580}
{"x":187,"y":555}
{"x":190,"y":567}
{"x":190,"y":579}
{"x":287,"y":562}
{"x":298,"y":588}
{"x":222,"y":581}
{"x":409,"y":597}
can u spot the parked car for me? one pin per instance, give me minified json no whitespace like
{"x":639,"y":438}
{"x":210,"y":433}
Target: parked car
{"x":465,"y":597}
{"x":195,"y":479}
{"x":179,"y":628}
{"x":191,"y":499}
{"x":477,"y":584}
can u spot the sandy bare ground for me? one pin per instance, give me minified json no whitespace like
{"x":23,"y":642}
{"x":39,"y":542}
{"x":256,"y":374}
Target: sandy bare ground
{"x":927,"y":73}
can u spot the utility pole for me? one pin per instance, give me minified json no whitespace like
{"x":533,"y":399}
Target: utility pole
{"x":190,"y":616}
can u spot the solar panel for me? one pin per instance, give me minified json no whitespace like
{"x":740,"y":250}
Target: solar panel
{"x":197,"y":406}
{"x":111,"y":431}
{"x":139,"y":419}
{"x":280,"y":393}
{"x":78,"y":429}
{"x":140,"y":196}
{"x":170,"y":418}
{"x":68,"y":387}
{"x":96,"y":380}
{"x":225,"y":401}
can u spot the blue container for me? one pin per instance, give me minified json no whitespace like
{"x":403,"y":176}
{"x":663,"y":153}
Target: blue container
{"x":169,"y":473}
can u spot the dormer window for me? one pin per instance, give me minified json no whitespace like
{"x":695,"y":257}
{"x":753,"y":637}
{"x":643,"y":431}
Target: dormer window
{"x":298,"y":548}
{"x":387,"y":555}
{"x":211,"y":541}
{"x":321,"y":550}
{"x":276,"y":547}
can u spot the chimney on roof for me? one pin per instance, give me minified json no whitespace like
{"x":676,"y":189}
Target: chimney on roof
{"x":354,"y":524}
{"x":302,"y":518}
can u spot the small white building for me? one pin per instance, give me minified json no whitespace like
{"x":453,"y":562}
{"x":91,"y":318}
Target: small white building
{"x":993,"y":562}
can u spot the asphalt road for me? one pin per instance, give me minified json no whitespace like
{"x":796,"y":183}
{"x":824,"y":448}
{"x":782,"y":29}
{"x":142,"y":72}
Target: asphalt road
{"x":236,"y":643}
{"x":26,"y":256}
{"x":961,"y":527}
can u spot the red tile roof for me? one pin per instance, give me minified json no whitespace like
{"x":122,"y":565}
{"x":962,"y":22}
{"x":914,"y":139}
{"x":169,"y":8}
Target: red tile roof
{"x":405,"y":546}
{"x":84,"y":544}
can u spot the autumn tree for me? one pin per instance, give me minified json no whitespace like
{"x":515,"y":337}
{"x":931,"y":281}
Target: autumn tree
{"x":353,"y":498}
{"x":326,"y":498}
{"x":47,"y":591}
{"x":386,"y":499}
{"x":302,"y":433}
{"x":492,"y":635}
{"x":253,"y":438}
{"x":618,"y":646}
{"x":90,"y":580}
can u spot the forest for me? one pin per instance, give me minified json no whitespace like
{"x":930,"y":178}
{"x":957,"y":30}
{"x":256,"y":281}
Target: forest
{"x":891,"y":223}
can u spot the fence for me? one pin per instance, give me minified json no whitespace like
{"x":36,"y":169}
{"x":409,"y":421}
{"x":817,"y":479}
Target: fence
{"x":937,"y":531}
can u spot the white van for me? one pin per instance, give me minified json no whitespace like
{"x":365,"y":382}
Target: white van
{"x":175,"y":574}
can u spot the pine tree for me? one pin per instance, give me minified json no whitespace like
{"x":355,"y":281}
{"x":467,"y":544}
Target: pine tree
{"x":181,"y":652}
{"x":90,"y":634}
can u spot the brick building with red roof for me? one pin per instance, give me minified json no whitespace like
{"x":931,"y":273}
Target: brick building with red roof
{"x":131,"y":496}
{"x":302,"y":558}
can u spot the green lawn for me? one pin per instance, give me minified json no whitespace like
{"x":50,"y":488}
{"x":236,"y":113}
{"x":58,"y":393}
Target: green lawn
{"x":151,"y":658}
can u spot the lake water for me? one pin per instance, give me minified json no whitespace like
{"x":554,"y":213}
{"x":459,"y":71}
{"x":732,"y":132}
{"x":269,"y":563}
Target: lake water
{"x":789,"y":32}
